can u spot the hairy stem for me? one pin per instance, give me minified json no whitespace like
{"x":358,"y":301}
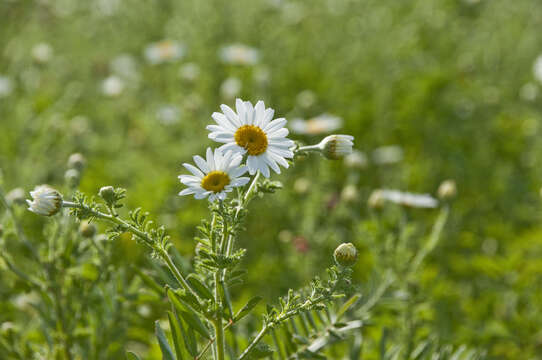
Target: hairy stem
{"x":219,"y":331}
{"x":143,"y":236}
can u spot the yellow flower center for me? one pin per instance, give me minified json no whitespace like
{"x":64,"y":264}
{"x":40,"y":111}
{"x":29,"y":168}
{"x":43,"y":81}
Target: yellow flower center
{"x":215,"y":181}
{"x":252,"y":138}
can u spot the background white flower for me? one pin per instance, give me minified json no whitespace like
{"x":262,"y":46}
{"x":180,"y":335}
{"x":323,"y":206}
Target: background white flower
{"x":253,"y":131}
{"x":239,"y":54}
{"x":215,"y":176}
{"x":321,"y":124}
{"x":164,"y":51}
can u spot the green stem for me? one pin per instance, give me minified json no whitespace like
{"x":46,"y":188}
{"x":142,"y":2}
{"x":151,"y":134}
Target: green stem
{"x":256,"y":340}
{"x":143,"y":236}
{"x":219,"y":331}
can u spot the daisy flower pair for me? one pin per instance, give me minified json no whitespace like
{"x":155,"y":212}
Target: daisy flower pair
{"x":248,"y":131}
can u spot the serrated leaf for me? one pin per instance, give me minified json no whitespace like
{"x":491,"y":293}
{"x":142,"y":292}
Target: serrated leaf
{"x":167,"y":353}
{"x":245,"y":310}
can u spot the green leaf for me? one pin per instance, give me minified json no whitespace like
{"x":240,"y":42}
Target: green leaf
{"x":346,"y":306}
{"x":245,"y":310}
{"x":175,"y":334}
{"x":150,"y":282}
{"x":167,"y":353}
{"x":199,"y":287}
{"x":187,"y":314}
{"x":131,"y":356}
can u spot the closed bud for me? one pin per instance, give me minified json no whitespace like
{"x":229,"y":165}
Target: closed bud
{"x":77,"y":161}
{"x":376,"y":200}
{"x":335,"y":147}
{"x":87,"y":229}
{"x":447,"y":190}
{"x":346,"y":254}
{"x":72,"y":177}
{"x":16,"y":197}
{"x":46,"y":201}
{"x":108,"y":194}
{"x":350,"y":193}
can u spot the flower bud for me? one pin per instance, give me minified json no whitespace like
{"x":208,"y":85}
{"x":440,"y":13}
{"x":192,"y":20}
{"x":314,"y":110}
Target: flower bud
{"x":447,"y":190}
{"x":16,"y":197}
{"x":356,"y":160}
{"x":77,"y":161}
{"x":302,"y":185}
{"x":46,"y":201}
{"x":72,"y":177}
{"x":346,"y":254}
{"x":350,"y":193}
{"x":108,"y":194}
{"x":87,"y":229}
{"x":335,"y":147}
{"x":376,"y":200}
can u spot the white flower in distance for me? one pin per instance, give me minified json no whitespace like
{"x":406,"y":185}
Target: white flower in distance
{"x":537,"y":68}
{"x":45,"y":201}
{"x":215,"y":176}
{"x":321,"y":124}
{"x":408,"y":199}
{"x":164,"y":51}
{"x":239,"y":54}
{"x":252,"y":131}
{"x":335,"y":147}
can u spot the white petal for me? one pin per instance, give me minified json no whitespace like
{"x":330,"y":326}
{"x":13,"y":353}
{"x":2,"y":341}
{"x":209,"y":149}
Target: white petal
{"x":223,"y":121}
{"x":241,"y":111}
{"x":242,"y":181}
{"x":187,"y":191}
{"x":194,"y":170}
{"x":210,"y":159}
{"x":236,"y":172}
{"x":268,"y":116}
{"x":250,"y":112}
{"x":272,"y":164}
{"x":275,"y":124}
{"x":201,"y":163}
{"x":280,"y":133}
{"x":252,"y":164}
{"x":259,"y":113}
{"x":231,"y":115}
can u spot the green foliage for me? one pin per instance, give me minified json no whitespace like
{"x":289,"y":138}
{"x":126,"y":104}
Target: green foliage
{"x":449,"y":82}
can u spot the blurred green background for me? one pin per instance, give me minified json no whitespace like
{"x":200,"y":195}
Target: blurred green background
{"x":452,"y":84}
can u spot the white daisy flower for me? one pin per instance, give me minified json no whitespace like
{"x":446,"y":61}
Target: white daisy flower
{"x":406,"y":198}
{"x":215,"y":176}
{"x":252,"y":131}
{"x":231,"y":87}
{"x":321,"y":124}
{"x":239,"y":54}
{"x":537,"y":68}
{"x":46,"y":201}
{"x":6,"y":86}
{"x":42,"y":53}
{"x":164,"y":51}
{"x":112,"y":86}
{"x":385,"y":155}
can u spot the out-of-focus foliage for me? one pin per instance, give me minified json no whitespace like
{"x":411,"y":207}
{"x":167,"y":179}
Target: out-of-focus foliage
{"x":450,"y":83}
